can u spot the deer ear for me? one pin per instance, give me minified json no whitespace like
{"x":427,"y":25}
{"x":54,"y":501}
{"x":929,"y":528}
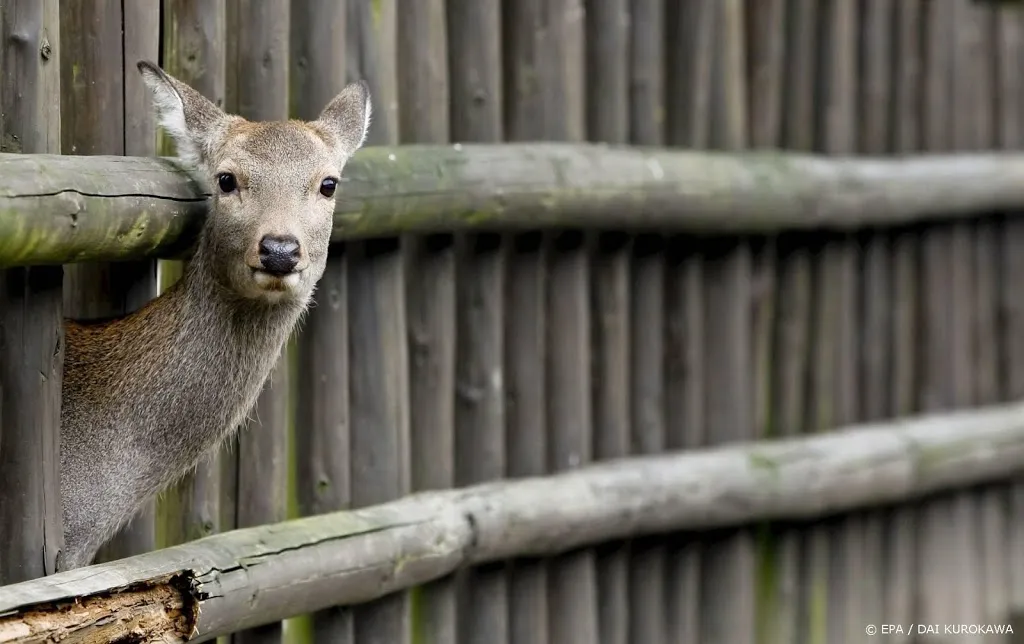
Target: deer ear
{"x":189,"y":118}
{"x":347,"y":117}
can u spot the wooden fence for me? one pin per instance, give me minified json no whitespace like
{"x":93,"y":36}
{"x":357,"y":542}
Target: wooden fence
{"x":504,"y":312}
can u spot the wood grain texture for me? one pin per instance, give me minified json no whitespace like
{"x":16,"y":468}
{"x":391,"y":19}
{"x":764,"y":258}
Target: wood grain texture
{"x":729,"y":560}
{"x":608,"y":58}
{"x":947,"y":523}
{"x":572,"y":577}
{"x":610,"y":316}
{"x":875,"y":94}
{"x":474,"y":69}
{"x":984,"y":585}
{"x":728,"y":563}
{"x":835,"y":381}
{"x":371,"y":31}
{"x":480,"y":452}
{"x":782,"y":616}
{"x":688,"y":85}
{"x":609,"y":110}
{"x":690,"y":26}
{"x":318,"y":66}
{"x":430,"y":278}
{"x":766,"y":63}
{"x":526,"y":423}
{"x":648,"y":578}
{"x":1010,"y":135}
{"x":476,"y":95}
{"x":647,"y":70}
{"x":684,"y":420}
{"x":351,"y":557}
{"x":777,"y":546}
{"x":422,"y":49}
{"x":378,"y":407}
{"x":901,"y":570}
{"x":31,"y":311}
{"x":398,"y":190}
{"x":423,"y":117}
{"x":647,"y":572}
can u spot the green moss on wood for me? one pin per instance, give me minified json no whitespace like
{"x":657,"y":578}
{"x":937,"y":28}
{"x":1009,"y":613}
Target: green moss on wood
{"x":817,"y":606}
{"x":299,"y":630}
{"x":417,"y":617}
{"x":377,"y":12}
{"x":10,"y":143}
{"x":766,"y":608}
{"x":761,"y":463}
{"x":147,"y":212}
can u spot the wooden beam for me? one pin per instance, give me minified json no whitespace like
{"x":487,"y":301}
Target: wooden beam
{"x":244,"y":578}
{"x":73,"y":209}
{"x":31,"y":310}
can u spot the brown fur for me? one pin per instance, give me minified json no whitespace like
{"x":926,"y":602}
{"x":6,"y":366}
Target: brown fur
{"x":146,"y":396}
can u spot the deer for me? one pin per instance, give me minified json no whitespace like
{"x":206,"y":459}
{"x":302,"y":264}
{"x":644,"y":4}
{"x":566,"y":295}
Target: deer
{"x":147,"y":395}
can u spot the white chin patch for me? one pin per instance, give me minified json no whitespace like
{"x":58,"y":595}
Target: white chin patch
{"x":276,"y":285}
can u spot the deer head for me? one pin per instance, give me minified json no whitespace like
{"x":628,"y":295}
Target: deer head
{"x":273,"y":185}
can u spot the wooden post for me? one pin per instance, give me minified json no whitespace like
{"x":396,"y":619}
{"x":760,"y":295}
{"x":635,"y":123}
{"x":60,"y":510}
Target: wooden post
{"x":649,"y":573}
{"x":875,"y":337}
{"x":378,"y":344}
{"x":525,"y":331}
{"x":31,"y":317}
{"x":1010,"y":135}
{"x":729,"y":562}
{"x":108,"y":111}
{"x":480,"y":420}
{"x":430,"y":293}
{"x":317,"y":72}
{"x":794,"y":309}
{"x":980,"y":571}
{"x":608,"y":121}
{"x":684,"y":419}
{"x":834,"y":381}
{"x":901,"y":575}
{"x":572,"y":578}
{"x":525,"y":334}
{"x":474,"y":63}
{"x":647,"y":578}
{"x":944,"y":381}
{"x":766,"y":43}
{"x":687,"y":91}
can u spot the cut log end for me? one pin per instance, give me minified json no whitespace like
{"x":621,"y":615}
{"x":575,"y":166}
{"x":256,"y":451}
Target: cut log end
{"x":163,"y":609}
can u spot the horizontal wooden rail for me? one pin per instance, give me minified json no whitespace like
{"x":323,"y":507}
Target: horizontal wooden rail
{"x":62,"y":209}
{"x":244,"y":578}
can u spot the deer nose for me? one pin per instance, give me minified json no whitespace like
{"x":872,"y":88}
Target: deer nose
{"x":279,"y":254}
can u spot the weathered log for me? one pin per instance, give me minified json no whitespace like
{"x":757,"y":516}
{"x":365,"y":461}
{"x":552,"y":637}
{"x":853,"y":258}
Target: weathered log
{"x":244,"y":578}
{"x":69,"y":209}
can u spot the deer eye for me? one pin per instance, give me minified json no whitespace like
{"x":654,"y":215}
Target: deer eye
{"x":226,"y":182}
{"x":328,"y":186}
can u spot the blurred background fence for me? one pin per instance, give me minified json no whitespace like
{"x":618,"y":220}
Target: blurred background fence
{"x":441,"y":360}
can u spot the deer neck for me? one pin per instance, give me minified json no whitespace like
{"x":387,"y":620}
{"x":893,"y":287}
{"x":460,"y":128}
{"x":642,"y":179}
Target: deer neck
{"x":223,"y":350}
